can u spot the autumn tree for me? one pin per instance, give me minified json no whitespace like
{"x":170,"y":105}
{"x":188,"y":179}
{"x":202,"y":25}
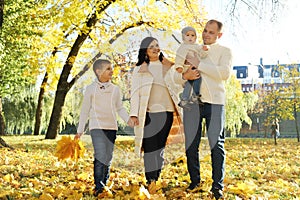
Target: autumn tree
{"x":291,"y":95}
{"x":104,"y":22}
{"x":68,"y":26}
{"x":63,"y":84}
{"x":280,"y":101}
{"x":272,"y":105}
{"x":172,"y":15}
{"x":39,"y":107}
{"x":1,"y":12}
{"x":2,"y":142}
{"x":19,"y":33}
{"x":238,"y":105}
{"x":19,"y":110}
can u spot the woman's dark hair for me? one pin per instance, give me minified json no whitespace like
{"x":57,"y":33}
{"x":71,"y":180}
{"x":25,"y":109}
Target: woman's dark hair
{"x":142,"y":56}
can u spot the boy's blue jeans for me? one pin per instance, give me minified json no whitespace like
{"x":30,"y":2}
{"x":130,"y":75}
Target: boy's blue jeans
{"x":215,"y":118}
{"x":103,"y":142}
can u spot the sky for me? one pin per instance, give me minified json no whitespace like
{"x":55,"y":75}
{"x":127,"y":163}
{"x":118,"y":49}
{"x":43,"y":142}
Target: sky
{"x":252,"y":38}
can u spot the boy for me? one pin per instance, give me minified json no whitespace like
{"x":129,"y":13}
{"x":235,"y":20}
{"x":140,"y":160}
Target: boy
{"x":101,"y":102}
{"x":189,"y":48}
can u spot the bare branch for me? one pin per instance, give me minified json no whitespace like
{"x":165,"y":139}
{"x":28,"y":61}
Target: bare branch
{"x":190,"y":8}
{"x":233,"y":8}
{"x":261,"y":9}
{"x":112,"y":40}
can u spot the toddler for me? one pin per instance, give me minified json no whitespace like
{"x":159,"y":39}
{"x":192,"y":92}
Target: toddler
{"x":189,"y":48}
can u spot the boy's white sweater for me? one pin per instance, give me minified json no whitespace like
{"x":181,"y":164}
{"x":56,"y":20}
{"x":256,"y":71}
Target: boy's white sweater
{"x":101,"y":103}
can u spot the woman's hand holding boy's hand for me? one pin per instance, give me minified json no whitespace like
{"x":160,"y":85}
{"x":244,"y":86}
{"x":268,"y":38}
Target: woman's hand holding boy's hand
{"x":133,"y":121}
{"x":77,"y":136}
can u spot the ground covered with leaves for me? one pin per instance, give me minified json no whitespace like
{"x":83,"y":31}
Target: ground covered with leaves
{"x":255,"y":169}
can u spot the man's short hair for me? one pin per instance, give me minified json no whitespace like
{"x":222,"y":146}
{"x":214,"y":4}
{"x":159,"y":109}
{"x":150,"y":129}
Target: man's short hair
{"x":219,"y":24}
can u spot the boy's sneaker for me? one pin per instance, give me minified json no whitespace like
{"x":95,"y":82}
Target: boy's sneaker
{"x":192,"y":187}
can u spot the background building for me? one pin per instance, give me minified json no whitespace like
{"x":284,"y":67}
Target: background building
{"x":267,"y":77}
{"x":262,"y":79}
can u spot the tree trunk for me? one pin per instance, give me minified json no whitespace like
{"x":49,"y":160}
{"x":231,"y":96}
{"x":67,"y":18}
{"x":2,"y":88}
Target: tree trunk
{"x":64,"y":86}
{"x":296,"y":121}
{"x":1,"y":12}
{"x":2,"y":122}
{"x":38,"y":114}
{"x":2,"y":128}
{"x":4,"y":144}
{"x":54,"y":124}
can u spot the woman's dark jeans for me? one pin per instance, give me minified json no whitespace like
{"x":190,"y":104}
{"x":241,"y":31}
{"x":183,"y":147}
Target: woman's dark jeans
{"x":156,"y":131}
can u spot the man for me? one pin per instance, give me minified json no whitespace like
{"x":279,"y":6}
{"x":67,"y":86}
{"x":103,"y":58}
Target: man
{"x":214,"y":71}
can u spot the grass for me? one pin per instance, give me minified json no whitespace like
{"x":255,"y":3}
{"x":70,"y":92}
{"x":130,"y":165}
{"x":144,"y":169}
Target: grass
{"x":255,"y":169}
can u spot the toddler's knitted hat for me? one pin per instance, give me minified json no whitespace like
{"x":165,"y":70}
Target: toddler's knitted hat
{"x":187,"y":29}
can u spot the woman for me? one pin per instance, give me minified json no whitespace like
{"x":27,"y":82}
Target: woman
{"x":154,"y":99}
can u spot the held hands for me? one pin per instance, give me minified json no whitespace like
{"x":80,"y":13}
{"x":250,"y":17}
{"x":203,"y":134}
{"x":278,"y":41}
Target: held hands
{"x":77,"y":136}
{"x":133,"y":121}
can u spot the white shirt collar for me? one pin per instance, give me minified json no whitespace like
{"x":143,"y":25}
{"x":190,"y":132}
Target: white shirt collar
{"x":103,"y":85}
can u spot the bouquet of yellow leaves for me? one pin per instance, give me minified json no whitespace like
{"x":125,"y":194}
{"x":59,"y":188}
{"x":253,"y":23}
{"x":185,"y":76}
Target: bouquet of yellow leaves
{"x":69,"y":148}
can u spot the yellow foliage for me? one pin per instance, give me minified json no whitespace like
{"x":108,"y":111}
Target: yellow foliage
{"x":83,"y":176}
{"x":75,"y":196}
{"x":245,"y":188}
{"x":144,"y":193}
{"x":152,"y":188}
{"x":69,"y":148}
{"x":71,"y":60}
{"x":7,"y":178}
{"x":57,"y":192}
{"x":46,"y":196}
{"x":253,"y":171}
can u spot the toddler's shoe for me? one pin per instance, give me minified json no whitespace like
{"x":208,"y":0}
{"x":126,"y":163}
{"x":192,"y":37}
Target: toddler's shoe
{"x":184,"y":104}
{"x":196,"y":99}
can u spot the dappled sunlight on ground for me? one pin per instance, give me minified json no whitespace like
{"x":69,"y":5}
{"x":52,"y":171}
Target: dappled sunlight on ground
{"x":255,"y":169}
